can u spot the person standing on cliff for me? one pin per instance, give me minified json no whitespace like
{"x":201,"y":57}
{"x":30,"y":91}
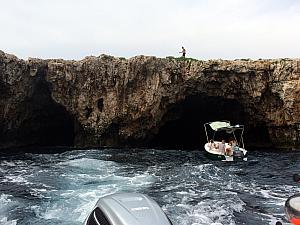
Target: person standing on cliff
{"x":183,"y":52}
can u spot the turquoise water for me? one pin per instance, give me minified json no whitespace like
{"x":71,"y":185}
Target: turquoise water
{"x":62,"y":188}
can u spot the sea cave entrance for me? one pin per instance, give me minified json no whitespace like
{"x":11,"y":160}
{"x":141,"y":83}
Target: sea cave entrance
{"x":44,"y":122}
{"x":183,"y":123}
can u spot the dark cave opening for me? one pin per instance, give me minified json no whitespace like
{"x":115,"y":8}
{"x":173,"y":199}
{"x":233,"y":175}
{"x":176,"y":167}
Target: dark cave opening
{"x":44,"y":122}
{"x":100,"y":104}
{"x":258,"y":137}
{"x":183,"y":124}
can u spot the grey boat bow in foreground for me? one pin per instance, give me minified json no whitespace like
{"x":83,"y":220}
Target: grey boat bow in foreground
{"x":127,"y":209}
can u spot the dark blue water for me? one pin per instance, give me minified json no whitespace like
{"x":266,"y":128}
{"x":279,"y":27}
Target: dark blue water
{"x":62,"y":188}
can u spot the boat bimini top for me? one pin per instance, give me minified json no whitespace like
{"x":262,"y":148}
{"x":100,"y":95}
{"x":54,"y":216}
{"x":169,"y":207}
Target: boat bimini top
{"x":224,"y":125}
{"x":127,"y":209}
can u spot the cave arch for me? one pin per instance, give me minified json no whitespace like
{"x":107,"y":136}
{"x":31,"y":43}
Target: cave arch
{"x":182,"y":126}
{"x":43,"y":122}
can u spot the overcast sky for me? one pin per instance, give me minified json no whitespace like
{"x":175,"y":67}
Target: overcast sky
{"x":209,"y":29}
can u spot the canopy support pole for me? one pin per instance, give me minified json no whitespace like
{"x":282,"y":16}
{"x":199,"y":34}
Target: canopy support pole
{"x":206,"y":133}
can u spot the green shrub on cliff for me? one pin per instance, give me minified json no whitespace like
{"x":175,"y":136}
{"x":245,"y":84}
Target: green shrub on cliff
{"x":181,"y":58}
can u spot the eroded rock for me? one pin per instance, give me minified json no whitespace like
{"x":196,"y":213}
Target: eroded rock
{"x":109,"y":101}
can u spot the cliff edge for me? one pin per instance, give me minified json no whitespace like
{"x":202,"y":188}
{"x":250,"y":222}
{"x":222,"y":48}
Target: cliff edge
{"x":146,"y":101}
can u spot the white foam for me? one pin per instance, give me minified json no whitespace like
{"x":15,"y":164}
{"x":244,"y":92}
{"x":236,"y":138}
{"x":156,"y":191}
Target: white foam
{"x":203,"y":167}
{"x":8,"y":163}
{"x":141,"y":180}
{"x":214,"y":212}
{"x":77,"y":204}
{"x":5,"y":201}
{"x":206,"y":211}
{"x":4,"y":221}
{"x":39,"y":192}
{"x":73,"y":205}
{"x":5,"y":205}
{"x":20,"y":179}
{"x":94,"y":164}
{"x":53,"y":212}
{"x":269,"y":195}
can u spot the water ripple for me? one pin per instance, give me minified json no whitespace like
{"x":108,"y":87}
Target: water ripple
{"x":62,"y":188}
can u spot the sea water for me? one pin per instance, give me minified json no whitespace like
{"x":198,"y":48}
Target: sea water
{"x":62,"y":188}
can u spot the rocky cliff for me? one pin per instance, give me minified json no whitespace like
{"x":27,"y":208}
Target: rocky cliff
{"x":146,"y":101}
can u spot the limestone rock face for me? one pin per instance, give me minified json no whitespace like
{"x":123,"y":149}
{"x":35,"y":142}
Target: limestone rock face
{"x":109,"y":101}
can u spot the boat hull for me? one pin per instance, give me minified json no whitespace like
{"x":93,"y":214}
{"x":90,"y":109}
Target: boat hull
{"x":213,"y":156}
{"x":216,"y":155}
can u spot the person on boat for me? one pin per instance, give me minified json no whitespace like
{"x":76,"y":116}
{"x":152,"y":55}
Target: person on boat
{"x":222,"y":146}
{"x":234,"y":145}
{"x":212,"y":145}
{"x":228,"y":150}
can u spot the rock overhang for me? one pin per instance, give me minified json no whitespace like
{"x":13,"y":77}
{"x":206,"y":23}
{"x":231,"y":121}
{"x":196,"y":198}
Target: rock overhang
{"x":125,"y":102}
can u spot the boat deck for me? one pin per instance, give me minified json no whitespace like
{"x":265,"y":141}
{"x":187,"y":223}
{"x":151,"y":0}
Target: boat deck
{"x":215,"y":153}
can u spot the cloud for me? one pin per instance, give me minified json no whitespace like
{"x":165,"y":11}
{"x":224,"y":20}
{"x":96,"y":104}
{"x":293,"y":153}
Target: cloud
{"x":73,"y":29}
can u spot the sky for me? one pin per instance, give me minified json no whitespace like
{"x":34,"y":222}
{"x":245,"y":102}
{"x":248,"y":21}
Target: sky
{"x":208,"y":29}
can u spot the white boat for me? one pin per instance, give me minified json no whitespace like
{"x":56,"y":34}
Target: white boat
{"x":234,"y":150}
